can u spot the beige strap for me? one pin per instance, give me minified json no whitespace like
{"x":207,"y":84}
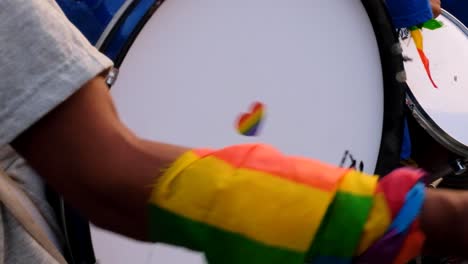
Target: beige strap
{"x":9,"y":192}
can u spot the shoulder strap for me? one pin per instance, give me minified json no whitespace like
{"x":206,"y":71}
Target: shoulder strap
{"x":9,"y":196}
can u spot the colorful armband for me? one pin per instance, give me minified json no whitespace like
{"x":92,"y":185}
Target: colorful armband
{"x":251,"y":204}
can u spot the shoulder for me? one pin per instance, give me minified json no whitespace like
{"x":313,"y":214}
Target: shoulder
{"x":44,"y":60}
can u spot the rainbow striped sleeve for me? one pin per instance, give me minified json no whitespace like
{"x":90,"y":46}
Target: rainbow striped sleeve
{"x":251,"y":204}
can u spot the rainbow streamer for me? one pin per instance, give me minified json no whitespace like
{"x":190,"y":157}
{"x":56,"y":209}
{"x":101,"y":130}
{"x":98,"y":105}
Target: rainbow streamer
{"x":416,"y":34}
{"x":249,"y":204}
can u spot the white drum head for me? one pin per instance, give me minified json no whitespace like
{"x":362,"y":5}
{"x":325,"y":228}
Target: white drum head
{"x":446,"y":108}
{"x":196,"y":66}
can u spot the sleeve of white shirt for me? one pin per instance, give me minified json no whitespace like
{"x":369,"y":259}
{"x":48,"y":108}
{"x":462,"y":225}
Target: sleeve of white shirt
{"x":43,"y":60}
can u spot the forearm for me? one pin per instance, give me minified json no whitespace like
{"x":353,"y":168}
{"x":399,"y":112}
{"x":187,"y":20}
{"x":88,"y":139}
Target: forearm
{"x":138,"y":171}
{"x":119,"y":201}
{"x":85,"y":152}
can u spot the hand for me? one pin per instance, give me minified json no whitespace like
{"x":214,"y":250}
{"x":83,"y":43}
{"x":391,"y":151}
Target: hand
{"x":443,"y":222}
{"x":436,"y":9}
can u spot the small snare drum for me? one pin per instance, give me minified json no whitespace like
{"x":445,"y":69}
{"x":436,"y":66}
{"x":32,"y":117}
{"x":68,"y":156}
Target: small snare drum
{"x":442,"y":112}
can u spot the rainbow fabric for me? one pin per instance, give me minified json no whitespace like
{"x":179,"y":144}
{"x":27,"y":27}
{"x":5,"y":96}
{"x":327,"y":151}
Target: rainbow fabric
{"x":249,"y":204}
{"x":417,"y":36}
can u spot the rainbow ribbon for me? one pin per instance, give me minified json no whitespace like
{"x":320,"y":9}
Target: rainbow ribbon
{"x":249,"y":204}
{"x":417,"y":37}
{"x":418,"y":41}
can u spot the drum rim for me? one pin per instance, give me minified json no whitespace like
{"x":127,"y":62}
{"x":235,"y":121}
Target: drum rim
{"x":391,"y":64}
{"x":393,"y":84}
{"x":424,"y":119}
{"x":114,"y":22}
{"x":112,"y":30}
{"x":455,"y":20}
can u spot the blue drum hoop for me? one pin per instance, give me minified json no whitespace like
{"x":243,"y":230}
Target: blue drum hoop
{"x":120,"y":33}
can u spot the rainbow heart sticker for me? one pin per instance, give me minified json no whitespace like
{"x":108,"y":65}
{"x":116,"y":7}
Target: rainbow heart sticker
{"x":248,"y":123}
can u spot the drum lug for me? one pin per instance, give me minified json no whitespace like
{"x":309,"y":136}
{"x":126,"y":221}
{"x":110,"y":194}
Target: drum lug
{"x":459,"y":167}
{"x":397,"y":49}
{"x":410,"y":105}
{"x":112,"y":76}
{"x":401,"y":77}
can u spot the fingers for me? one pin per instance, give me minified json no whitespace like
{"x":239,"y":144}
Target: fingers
{"x":436,"y":8}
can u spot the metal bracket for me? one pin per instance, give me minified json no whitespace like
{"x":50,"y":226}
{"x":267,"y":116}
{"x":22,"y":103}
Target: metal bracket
{"x":112,"y":76}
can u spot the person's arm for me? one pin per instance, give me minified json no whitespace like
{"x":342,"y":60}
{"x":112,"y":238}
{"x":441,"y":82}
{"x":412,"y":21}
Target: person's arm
{"x":443,"y":220}
{"x":436,"y":7}
{"x":83,"y":150}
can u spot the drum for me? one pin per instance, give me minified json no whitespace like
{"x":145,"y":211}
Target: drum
{"x":439,"y":120}
{"x":322,"y":79}
{"x":442,"y":112}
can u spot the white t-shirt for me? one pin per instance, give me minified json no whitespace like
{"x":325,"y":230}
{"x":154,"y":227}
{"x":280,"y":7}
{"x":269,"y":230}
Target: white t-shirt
{"x":43,"y":60}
